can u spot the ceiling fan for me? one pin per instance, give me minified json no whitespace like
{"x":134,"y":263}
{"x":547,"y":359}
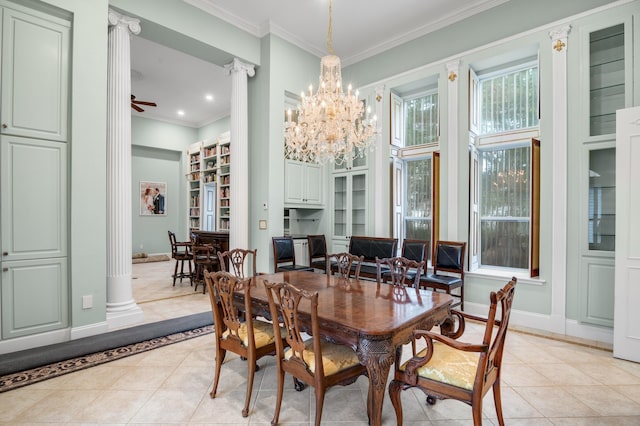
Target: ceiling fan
{"x":134,"y":104}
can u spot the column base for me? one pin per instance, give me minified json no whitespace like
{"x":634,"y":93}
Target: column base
{"x":122,"y":318}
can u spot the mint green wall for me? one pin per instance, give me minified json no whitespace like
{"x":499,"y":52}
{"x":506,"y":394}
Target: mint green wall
{"x":158,"y":150}
{"x":149,"y":233}
{"x":87,"y":170}
{"x":512,"y":17}
{"x":266,"y":136}
{"x":183,"y":27}
{"x":214,"y":129}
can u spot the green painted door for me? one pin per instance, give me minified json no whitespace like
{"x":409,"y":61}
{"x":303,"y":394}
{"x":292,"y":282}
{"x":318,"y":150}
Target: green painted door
{"x":33,"y":212}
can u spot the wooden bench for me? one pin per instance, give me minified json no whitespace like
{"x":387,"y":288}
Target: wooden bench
{"x":370,"y":248}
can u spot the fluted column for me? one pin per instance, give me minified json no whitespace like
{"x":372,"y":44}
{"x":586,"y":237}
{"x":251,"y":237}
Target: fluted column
{"x":239,"y":221}
{"x":121,"y":308}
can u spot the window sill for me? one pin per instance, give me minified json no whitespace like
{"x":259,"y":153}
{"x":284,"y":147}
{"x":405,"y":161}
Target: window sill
{"x":498,"y":275}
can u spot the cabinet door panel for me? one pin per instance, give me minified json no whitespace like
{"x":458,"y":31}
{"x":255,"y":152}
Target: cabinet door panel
{"x":314,"y":184}
{"x":293,"y":182}
{"x":34,"y":297}
{"x":33,"y":197}
{"x":34,"y":76}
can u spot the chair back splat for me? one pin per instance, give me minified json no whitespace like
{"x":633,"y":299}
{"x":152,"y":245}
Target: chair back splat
{"x":344,"y":264}
{"x":237,"y":260}
{"x":313,"y":361}
{"x":477,"y":365}
{"x":237,"y":330}
{"x":400,"y":271}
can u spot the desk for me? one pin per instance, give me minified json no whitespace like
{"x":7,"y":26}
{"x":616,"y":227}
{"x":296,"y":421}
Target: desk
{"x":373,"y":318}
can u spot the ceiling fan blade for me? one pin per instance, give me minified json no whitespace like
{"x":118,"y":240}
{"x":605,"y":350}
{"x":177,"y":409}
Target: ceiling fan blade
{"x":136,"y":107}
{"x":144,"y":103}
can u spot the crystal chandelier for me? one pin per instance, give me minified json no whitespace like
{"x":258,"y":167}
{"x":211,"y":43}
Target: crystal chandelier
{"x":330,"y":125}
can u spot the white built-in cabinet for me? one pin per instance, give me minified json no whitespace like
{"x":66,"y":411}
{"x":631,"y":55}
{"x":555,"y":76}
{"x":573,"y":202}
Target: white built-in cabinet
{"x":606,"y":64}
{"x":209,"y":184}
{"x":350,"y":208}
{"x":33,"y":171}
{"x":35,"y":69}
{"x":301,"y":250}
{"x":303,"y":184}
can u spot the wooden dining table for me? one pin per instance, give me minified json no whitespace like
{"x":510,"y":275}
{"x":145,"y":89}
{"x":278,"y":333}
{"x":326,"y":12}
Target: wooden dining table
{"x":375,"y":319}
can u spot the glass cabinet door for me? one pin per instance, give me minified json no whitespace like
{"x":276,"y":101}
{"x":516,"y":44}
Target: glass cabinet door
{"x":602,"y":199}
{"x":607,"y":78}
{"x":359,"y":204}
{"x":340,"y":206}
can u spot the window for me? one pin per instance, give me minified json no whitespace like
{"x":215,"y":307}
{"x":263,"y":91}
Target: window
{"x":415,"y":133}
{"x":417,"y":203}
{"x":504,"y":231}
{"x":505,"y":207}
{"x":421,"y":119}
{"x":509,"y":101}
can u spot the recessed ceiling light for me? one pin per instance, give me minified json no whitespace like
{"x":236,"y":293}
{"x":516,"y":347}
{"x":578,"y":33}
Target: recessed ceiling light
{"x":209,"y":98}
{"x":180,"y":112}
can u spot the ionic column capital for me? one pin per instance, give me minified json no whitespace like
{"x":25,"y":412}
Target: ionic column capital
{"x":238,"y":66}
{"x":122,"y":21}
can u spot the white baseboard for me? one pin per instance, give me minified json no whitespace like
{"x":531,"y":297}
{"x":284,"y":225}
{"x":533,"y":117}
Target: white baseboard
{"x":548,"y":325}
{"x":119,"y":319}
{"x":89,"y":330}
{"x":37,"y":340}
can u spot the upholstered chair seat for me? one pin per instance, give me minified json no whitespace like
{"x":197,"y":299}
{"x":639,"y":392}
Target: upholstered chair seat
{"x":449,"y":365}
{"x":335,"y":358}
{"x":262,"y":333}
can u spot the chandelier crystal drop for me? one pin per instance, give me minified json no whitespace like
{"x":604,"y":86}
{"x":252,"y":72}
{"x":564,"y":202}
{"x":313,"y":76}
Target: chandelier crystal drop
{"x":331,"y":125}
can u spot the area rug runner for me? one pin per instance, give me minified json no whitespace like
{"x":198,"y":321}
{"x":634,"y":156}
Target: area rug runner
{"x":34,"y":375}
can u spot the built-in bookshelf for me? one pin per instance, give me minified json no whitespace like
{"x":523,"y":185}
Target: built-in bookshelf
{"x":224,"y":185}
{"x":209,"y":184}
{"x":193,"y":179}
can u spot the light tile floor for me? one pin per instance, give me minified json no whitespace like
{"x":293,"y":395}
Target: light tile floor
{"x":545,"y":382}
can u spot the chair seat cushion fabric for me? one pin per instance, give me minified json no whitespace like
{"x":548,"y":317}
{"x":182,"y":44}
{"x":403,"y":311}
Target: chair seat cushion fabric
{"x":449,"y":365}
{"x":441,"y":279}
{"x":262,"y":332}
{"x":335,"y":358}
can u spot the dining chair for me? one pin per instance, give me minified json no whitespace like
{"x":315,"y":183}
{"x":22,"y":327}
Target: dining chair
{"x":237,"y":260}
{"x":448,"y":258}
{"x":244,"y":335}
{"x":204,"y":259}
{"x":399,"y":271}
{"x":180,"y":251}
{"x":345,"y":264}
{"x":284,"y":256}
{"x":314,"y":361}
{"x":317,"y":245}
{"x":417,"y":250}
{"x":451,"y":369}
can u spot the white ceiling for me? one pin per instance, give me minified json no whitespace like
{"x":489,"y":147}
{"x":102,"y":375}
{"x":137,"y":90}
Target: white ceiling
{"x":360,"y":29}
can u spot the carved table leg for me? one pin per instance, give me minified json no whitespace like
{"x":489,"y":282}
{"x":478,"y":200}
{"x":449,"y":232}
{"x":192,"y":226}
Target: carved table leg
{"x":377,"y":356}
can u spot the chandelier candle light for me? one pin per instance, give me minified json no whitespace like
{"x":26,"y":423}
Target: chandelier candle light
{"x":330,"y":125}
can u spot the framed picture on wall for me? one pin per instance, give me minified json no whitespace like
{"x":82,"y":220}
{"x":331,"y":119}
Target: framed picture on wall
{"x":153,"y":198}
